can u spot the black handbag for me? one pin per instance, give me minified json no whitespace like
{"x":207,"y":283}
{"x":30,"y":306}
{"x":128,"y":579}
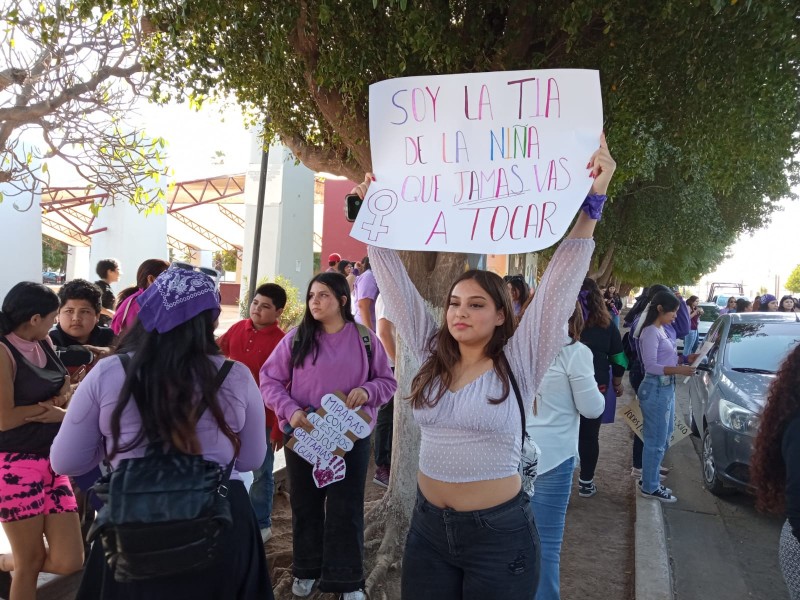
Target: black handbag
{"x":163,"y":513}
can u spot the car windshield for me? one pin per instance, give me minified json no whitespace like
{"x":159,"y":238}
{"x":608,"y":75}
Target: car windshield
{"x":760,"y":346}
{"x":710,"y":312}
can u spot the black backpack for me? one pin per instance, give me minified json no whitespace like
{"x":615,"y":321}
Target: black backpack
{"x":163,"y":513}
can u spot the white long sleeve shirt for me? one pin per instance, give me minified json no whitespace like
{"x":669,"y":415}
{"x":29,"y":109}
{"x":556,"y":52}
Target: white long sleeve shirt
{"x":567,"y":391}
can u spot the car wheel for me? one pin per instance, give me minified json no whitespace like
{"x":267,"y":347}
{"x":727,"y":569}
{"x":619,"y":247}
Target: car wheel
{"x":711,"y":479}
{"x":692,"y":423}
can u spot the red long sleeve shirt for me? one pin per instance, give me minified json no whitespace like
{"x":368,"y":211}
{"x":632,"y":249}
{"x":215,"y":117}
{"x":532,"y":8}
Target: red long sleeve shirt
{"x":252,"y":347}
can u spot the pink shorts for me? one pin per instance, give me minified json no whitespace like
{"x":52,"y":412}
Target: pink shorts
{"x":29,"y":487}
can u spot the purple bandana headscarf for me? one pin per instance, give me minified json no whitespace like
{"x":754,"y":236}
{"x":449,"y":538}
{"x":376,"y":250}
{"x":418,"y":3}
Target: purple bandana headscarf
{"x":176,"y":296}
{"x":767,"y":298}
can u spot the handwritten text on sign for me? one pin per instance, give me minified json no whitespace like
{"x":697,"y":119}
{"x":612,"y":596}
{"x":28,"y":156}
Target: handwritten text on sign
{"x":336,"y":427}
{"x":479,"y":162}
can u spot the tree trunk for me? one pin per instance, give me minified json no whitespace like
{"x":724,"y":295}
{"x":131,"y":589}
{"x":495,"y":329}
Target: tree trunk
{"x":603,"y":272}
{"x":388,"y":520}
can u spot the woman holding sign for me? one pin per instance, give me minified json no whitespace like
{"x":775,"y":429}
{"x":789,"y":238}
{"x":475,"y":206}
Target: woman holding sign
{"x":472,"y":533}
{"x":326,"y":354}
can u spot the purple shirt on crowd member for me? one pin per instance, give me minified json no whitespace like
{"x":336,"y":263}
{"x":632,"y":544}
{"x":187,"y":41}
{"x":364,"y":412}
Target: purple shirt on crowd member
{"x":657,"y":350}
{"x":341,"y":364}
{"x":675,"y":330}
{"x":365,"y":287}
{"x":85,"y":434}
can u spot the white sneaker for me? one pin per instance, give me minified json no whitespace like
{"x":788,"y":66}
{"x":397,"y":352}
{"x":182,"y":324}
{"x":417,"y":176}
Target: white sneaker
{"x":303,"y":587}
{"x":266,"y":534}
{"x":357,"y":595}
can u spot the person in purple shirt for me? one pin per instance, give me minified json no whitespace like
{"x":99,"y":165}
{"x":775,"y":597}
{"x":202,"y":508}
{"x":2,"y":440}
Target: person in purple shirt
{"x":161,"y":396}
{"x":365,"y":292}
{"x":323,"y":355}
{"x":659,"y":357}
{"x":675,"y":330}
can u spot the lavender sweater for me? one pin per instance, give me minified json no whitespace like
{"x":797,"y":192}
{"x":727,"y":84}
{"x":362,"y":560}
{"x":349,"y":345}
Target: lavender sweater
{"x":340,"y":365}
{"x":657,"y":350}
{"x":85,"y":435}
{"x":464,"y":437}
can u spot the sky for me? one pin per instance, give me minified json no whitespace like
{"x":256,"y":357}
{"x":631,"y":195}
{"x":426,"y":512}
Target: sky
{"x":756,"y":260}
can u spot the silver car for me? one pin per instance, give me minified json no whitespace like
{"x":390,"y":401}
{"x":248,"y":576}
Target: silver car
{"x":728,"y":394}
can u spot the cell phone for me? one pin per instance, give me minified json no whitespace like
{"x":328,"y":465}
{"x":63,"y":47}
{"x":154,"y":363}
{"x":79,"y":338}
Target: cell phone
{"x":352,"y":204}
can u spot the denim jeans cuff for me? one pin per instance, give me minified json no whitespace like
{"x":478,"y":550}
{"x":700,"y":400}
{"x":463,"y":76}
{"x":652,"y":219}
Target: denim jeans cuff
{"x":306,"y":573}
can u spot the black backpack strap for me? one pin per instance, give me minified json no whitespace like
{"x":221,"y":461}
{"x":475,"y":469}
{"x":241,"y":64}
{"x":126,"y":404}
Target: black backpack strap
{"x":366,"y":339}
{"x":514,"y":385}
{"x":223,"y":373}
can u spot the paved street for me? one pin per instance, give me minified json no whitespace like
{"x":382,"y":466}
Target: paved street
{"x":720,"y":548}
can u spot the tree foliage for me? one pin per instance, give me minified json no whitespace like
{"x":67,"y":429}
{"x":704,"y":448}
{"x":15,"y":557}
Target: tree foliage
{"x":54,"y":254}
{"x":701,"y":96}
{"x":67,"y":83}
{"x":793,"y":282}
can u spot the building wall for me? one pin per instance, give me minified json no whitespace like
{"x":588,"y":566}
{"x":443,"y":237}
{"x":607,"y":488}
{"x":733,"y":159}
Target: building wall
{"x":335,"y":229}
{"x":20,"y":241}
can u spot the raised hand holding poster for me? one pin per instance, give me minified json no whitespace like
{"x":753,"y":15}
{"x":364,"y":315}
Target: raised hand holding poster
{"x":479,"y":162}
{"x":336,"y":427}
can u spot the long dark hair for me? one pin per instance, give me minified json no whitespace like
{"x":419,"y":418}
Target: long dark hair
{"x":768,"y":470}
{"x":435,"y":376}
{"x":305,"y":341}
{"x":151,"y":267}
{"x":596,"y":306}
{"x":666,"y":300}
{"x":23,"y":302}
{"x":518,"y":283}
{"x":166,"y":374}
{"x":575,"y":324}
{"x":643,"y":300}
{"x":343,"y":264}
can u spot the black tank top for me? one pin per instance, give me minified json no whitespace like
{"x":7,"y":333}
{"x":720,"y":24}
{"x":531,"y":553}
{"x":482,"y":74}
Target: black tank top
{"x":33,"y":384}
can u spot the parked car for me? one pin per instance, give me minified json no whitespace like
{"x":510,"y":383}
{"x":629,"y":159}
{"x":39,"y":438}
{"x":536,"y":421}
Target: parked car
{"x":729,"y":392}
{"x":710,"y":314}
{"x":721,"y":301}
{"x":52,"y":277}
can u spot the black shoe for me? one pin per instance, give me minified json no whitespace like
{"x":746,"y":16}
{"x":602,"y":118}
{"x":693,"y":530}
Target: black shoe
{"x":586,"y":489}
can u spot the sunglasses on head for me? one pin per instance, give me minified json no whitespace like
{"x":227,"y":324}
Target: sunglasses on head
{"x":213,"y":273}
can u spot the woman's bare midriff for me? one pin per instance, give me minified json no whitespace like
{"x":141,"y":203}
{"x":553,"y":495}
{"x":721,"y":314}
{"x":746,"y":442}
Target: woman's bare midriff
{"x":472,"y":495}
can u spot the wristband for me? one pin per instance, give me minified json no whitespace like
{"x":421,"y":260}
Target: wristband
{"x":593,"y":205}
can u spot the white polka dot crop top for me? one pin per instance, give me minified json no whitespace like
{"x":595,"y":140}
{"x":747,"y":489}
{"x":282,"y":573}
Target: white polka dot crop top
{"x":464,"y":437}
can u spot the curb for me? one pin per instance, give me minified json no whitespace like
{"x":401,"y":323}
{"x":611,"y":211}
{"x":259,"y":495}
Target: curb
{"x":653,"y":577}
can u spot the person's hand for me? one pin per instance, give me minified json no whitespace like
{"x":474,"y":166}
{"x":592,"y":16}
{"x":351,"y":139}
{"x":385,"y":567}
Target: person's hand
{"x":357,"y":397}
{"x":361,"y":188}
{"x":51,"y":414}
{"x":685,"y":370}
{"x":64,"y":394}
{"x":602,"y":166}
{"x":299,"y":419}
{"x":692,"y":357}
{"x":98,"y":351}
{"x":618,"y":389}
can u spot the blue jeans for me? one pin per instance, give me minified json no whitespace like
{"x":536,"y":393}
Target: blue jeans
{"x":689,"y":342}
{"x":657,"y":400}
{"x":550,"y":500}
{"x":263,"y":488}
{"x":615,"y":320}
{"x":490,"y":554}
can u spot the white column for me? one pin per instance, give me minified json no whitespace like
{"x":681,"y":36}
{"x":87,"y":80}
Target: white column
{"x":20,"y":240}
{"x":205,"y":258}
{"x":130,"y":238}
{"x":79,"y":265}
{"x":287,"y":231}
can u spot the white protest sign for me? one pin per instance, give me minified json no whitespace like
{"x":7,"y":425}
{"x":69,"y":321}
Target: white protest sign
{"x":336,"y":427}
{"x":632,"y":415}
{"x":479,"y":162}
{"x":701,"y":354}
